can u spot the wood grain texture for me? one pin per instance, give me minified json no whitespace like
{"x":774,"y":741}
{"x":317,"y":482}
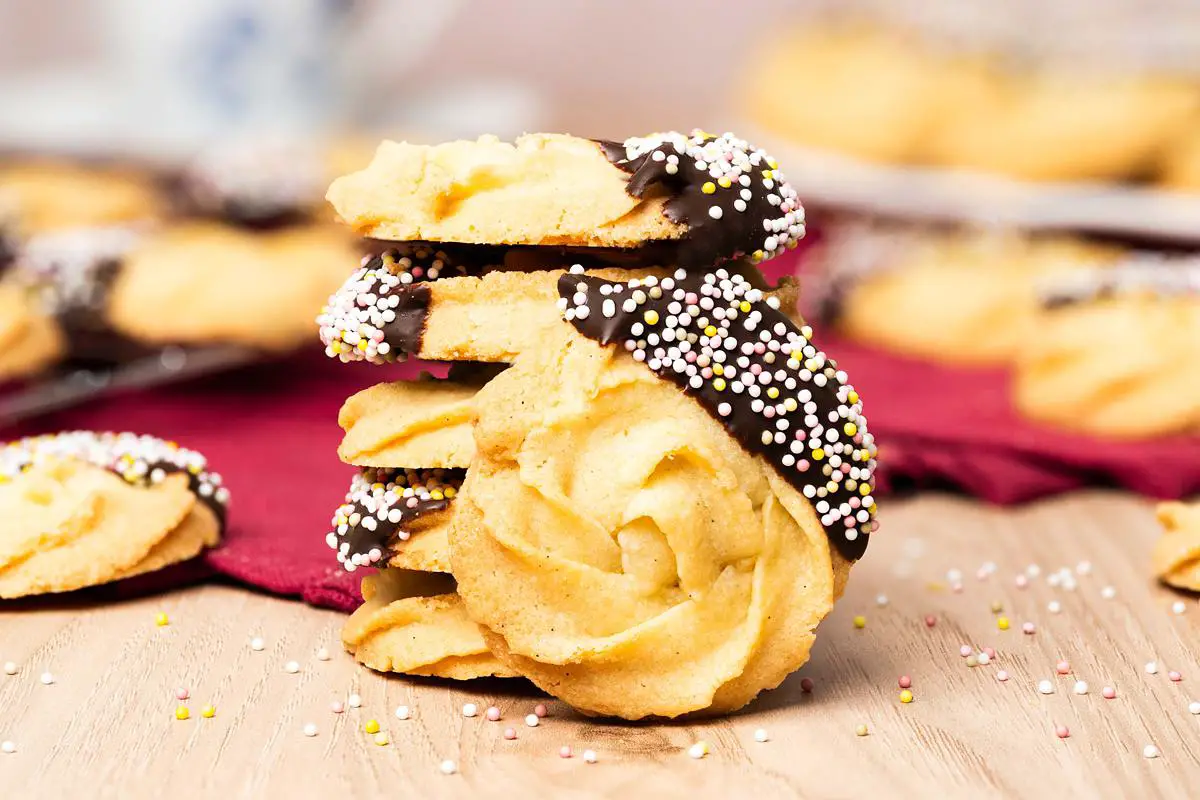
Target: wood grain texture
{"x":106,"y":727}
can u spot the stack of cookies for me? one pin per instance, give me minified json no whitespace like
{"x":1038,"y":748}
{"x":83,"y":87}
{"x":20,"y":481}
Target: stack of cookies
{"x":640,"y":485}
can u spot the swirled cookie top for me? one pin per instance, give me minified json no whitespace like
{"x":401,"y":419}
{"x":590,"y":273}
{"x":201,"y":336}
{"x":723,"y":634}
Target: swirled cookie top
{"x":139,"y":460}
{"x":380,"y":506}
{"x":732,"y":196}
{"x":729,"y":346}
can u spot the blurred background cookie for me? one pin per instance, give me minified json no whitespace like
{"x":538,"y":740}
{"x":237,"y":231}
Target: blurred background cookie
{"x":1176,"y":555}
{"x":53,"y":195}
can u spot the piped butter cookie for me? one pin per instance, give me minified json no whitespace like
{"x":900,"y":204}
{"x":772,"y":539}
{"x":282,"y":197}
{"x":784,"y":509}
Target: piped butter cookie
{"x":57,"y":195}
{"x":1176,"y":555}
{"x":1117,"y":351}
{"x":81,"y":509}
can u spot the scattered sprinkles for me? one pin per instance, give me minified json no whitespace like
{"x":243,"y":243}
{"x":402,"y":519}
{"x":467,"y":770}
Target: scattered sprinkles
{"x":906,"y":696}
{"x":1194,"y":707}
{"x":1178,"y":607}
{"x":8,"y":747}
{"x":380,"y":503}
{"x":806,"y":685}
{"x":1108,"y":693}
{"x":182,"y":694}
{"x":1081,"y":687}
{"x":354,"y":701}
{"x":760,"y":735}
{"x":732,"y":196}
{"x":590,"y":757}
{"x":1150,"y":751}
{"x":402,"y":712}
{"x":493,"y":714}
{"x":381,"y":739}
{"x":470,"y":710}
{"x":11,"y":668}
{"x":139,"y":460}
{"x":531,"y":720}
{"x":1108,"y":592}
{"x":208,"y":712}
{"x":1152,"y":667}
{"x":1062,"y":731}
{"x":565,"y":751}
{"x":72,"y":271}
{"x":510,"y":734}
{"x":1045,"y":687}
{"x":860,"y":622}
{"x":310,"y":729}
{"x":698,"y":750}
{"x":47,"y":679}
{"x":372,"y":726}
{"x":378,"y":314}
{"x":182,"y":713}
{"x":257,"y":644}
{"x":448,"y":767}
{"x":905,"y":682}
{"x":161,"y":619}
{"x":1174,"y":676}
{"x":861,"y":730}
{"x":756,"y":371}
{"x":291,"y":667}
{"x":323,"y":654}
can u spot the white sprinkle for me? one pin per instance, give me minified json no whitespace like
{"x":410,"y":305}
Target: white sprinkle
{"x":1083,"y":568}
{"x":715,"y":212}
{"x":10,"y":668}
{"x":531,"y":720}
{"x":1152,"y":667}
{"x":881,"y":600}
{"x":449,"y":767}
{"x":291,"y":667}
{"x":9,"y":747}
{"x":698,"y":750}
{"x":1081,"y":687}
{"x":1033,"y":570}
{"x":47,"y":679}
{"x":1150,"y":751}
{"x":1046,"y":687}
{"x":470,"y":710}
{"x":1178,"y":607}
{"x":1108,"y":592}
{"x":760,"y":735}
{"x":983,"y":659}
{"x":354,"y":701}
{"x":1194,"y":707}
{"x":310,"y":729}
{"x":257,"y":644}
{"x":323,"y":654}
{"x":1002,"y":675}
{"x":403,"y":712}
{"x":589,"y":756}
{"x":1054,"y":606}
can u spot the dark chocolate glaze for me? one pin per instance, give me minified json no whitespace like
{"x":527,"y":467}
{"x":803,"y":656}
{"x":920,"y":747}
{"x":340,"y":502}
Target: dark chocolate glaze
{"x":194,"y":483}
{"x":738,"y":232}
{"x":406,"y":333}
{"x":739,"y":417}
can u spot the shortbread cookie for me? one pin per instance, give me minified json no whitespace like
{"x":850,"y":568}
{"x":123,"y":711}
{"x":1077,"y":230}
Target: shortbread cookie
{"x":414,"y":622}
{"x":82,"y":509}
{"x":955,"y":297}
{"x":866,"y":93}
{"x":637,"y":550}
{"x":398,"y":306}
{"x":1117,"y":353}
{"x":54,"y":195}
{"x":30,"y":341}
{"x":1062,"y":126}
{"x":1181,"y":166}
{"x":716,"y":197}
{"x":1176,"y":556}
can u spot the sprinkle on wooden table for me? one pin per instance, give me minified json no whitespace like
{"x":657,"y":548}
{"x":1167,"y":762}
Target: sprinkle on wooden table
{"x":46,"y":678}
{"x":861,"y":730}
{"x":291,"y":667}
{"x":9,"y":747}
{"x":906,"y":696}
{"x":182,"y":694}
{"x":761,"y":735}
{"x":531,"y":720}
{"x":1054,"y":607}
{"x":1028,"y":628}
{"x":403,"y":712}
{"x":510,"y":733}
{"x":699,"y":749}
{"x":161,"y":619}
{"x":540,"y":710}
{"x":860,"y":622}
{"x":965,"y":650}
{"x":381,"y":739}
{"x":310,"y":729}
{"x":1021,"y":581}
{"x":323,"y":654}
{"x":1062,"y":731}
{"x":354,"y":701}
{"x":208,"y":712}
{"x":372,"y":726}
{"x":1152,"y":667}
{"x":1081,"y":687}
{"x":1108,"y":692}
{"x":182,"y":713}
{"x":972,"y":660}
{"x":257,"y":644}
{"x":930,"y":620}
{"x":1063,"y":667}
{"x":11,"y":668}
{"x":470,"y":709}
{"x":1002,"y":675}
{"x":1108,"y":592}
{"x":881,"y":600}
{"x":997,"y":606}
{"x":905,"y":682}
{"x":983,"y":659}
{"x":1178,"y":607}
{"x":1033,"y":570}
{"x":590,"y":756}
{"x":1083,"y":568}
{"x":1045,"y":687}
{"x":493,"y":714}
{"x":448,"y":767}
{"x":565,"y":751}
{"x":806,"y":685}
{"x":1175,"y":676}
{"x":337,"y":706}
{"x":1002,"y":623}
{"x":1150,"y":751}
{"x":1194,"y":707}
{"x":990,"y":652}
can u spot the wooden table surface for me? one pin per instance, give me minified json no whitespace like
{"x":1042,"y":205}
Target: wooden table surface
{"x":106,"y":726}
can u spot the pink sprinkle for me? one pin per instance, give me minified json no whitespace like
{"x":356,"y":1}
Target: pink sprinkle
{"x":1028,"y":628}
{"x":1108,"y":692}
{"x":564,"y":751}
{"x":540,"y":710}
{"x":930,"y":620}
{"x":1062,"y":731}
{"x":1022,"y":581}
{"x":337,"y":706}
{"x":965,"y":650}
{"x":182,"y":694}
{"x":493,"y":714}
{"x":1002,"y":675}
{"x":510,"y":734}
{"x":1175,"y":676}
{"x":806,"y":685}
{"x":905,"y":682}
{"x":991,"y":652}
{"x":956,"y":588}
{"x":1063,"y":667}
{"x":982,"y":574}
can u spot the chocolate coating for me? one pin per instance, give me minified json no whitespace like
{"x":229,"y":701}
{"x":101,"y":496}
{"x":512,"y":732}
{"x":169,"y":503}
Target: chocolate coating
{"x":755,"y":371}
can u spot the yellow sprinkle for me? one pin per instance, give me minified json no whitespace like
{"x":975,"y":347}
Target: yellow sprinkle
{"x":711,"y":330}
{"x":450,"y":492}
{"x":790,"y":404}
{"x":864,"y":489}
{"x":372,"y":726}
{"x":382,"y":739}
{"x":651,"y":317}
{"x":341,"y":519}
{"x":724,"y":182}
{"x":772,"y":163}
{"x":906,"y":696}
{"x":818,"y":454}
{"x":772,"y":392}
{"x":436,"y":494}
{"x":850,"y":428}
{"x":361,"y":346}
{"x":759,"y":255}
{"x":860,"y":621}
{"x":745,"y":306}
{"x":161,"y":619}
{"x":182,"y":712}
{"x":767,"y":174}
{"x":208,"y":712}
{"x":852,"y":397}
{"x":719,"y":384}
{"x":1002,"y":623}
{"x":861,"y":730}
{"x":709,"y":187}
{"x":718,"y":369}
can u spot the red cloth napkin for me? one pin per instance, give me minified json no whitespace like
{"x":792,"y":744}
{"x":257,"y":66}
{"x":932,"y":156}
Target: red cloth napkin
{"x":271,"y":430}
